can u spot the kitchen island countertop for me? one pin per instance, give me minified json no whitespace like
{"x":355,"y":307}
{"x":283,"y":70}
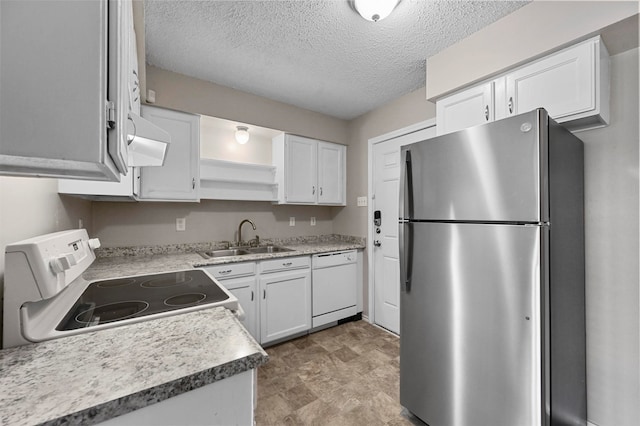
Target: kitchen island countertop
{"x":91,"y":377}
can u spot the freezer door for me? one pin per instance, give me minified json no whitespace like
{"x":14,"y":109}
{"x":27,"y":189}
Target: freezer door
{"x":493,"y":172}
{"x":471,"y":329}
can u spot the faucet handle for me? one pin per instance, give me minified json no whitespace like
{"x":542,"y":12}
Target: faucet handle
{"x":226,"y":244}
{"x":255,"y":242}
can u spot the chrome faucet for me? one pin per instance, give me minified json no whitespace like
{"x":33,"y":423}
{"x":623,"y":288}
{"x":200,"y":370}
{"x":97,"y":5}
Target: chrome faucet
{"x":240,"y":230}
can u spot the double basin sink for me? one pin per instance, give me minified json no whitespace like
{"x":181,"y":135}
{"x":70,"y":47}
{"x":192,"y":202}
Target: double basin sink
{"x":242,"y":251}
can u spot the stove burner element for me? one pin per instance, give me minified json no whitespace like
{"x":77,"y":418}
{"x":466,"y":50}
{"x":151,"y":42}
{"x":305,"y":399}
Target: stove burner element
{"x":169,"y":281}
{"x":118,"y":282}
{"x":108,"y":301}
{"x":185,"y":299}
{"x":111,"y":312}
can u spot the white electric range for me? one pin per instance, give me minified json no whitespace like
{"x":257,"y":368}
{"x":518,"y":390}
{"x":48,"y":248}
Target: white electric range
{"x":45,"y":296}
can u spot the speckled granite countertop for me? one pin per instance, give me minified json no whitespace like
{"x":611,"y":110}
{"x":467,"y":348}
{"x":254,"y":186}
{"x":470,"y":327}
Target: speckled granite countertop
{"x":123,"y":261}
{"x":95,"y":376}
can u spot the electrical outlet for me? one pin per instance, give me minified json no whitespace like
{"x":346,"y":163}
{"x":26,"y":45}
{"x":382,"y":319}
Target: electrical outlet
{"x":292,"y":221}
{"x":181,"y":223}
{"x":313,"y":221}
{"x":362,"y":202}
{"x":80,"y":224}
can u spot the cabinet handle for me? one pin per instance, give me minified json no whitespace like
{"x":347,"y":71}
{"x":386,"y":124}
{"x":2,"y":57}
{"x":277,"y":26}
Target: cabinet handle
{"x":510,"y":104}
{"x":313,"y":190}
{"x":264,"y":294}
{"x":252,"y":295}
{"x":226,"y":271}
{"x":486,"y":112}
{"x":287,"y":264}
{"x":193,"y":183}
{"x":320,"y":190}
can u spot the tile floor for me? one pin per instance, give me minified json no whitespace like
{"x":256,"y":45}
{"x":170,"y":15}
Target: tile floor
{"x":344,"y":375}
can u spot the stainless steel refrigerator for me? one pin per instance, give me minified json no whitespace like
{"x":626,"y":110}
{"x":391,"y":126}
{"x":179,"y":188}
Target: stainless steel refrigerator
{"x":492,"y":324}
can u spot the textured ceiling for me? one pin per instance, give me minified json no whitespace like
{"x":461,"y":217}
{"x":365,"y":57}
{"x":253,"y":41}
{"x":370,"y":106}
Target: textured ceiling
{"x":318,"y":55}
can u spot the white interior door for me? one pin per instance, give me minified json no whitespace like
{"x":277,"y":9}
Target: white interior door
{"x":386,"y":263}
{"x":386,"y":175}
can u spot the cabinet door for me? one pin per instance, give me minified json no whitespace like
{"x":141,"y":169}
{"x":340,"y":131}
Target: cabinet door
{"x":285,"y":304}
{"x":468,"y":108}
{"x":57,"y":74}
{"x":562,"y":83}
{"x":245,"y":290}
{"x":331,"y":173}
{"x":179,"y":178}
{"x":300,"y":170}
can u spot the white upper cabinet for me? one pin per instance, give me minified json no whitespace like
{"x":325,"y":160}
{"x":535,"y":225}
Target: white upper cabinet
{"x":468,"y":108}
{"x":125,"y":190}
{"x":300,"y":169}
{"x":571,"y":84}
{"x":331,"y":173}
{"x":179,"y":178}
{"x":64,"y":104}
{"x":309,"y":171}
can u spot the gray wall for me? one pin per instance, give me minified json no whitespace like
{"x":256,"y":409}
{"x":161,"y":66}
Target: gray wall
{"x":135,"y":224}
{"x":612,"y":253}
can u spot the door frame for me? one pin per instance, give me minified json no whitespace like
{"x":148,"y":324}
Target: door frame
{"x":422,"y":125}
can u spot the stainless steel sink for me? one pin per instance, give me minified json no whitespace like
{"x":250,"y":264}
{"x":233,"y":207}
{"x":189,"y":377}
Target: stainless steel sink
{"x":223,"y":253}
{"x":267,"y":249}
{"x":242,"y":251}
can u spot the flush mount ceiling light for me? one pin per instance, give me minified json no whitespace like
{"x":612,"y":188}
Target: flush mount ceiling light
{"x":374,"y":10}
{"x":242,"y":134}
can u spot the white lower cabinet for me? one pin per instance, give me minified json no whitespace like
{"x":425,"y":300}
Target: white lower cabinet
{"x":229,"y":401}
{"x":275,"y":295}
{"x":245,"y":290}
{"x":285,"y":298}
{"x":240,"y":279}
{"x":282,"y":297}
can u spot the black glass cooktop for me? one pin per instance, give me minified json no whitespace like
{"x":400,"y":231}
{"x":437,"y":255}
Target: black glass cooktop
{"x":123,"y":298}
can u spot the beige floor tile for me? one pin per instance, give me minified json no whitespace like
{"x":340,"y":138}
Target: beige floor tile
{"x":316,"y":413}
{"x":345,"y":376}
{"x":272,"y":410}
{"x":298,"y":396}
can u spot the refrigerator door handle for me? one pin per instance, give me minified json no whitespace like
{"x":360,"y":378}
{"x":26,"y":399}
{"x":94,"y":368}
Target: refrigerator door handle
{"x":405,"y":236}
{"x":406,"y":191}
{"x":405,"y":231}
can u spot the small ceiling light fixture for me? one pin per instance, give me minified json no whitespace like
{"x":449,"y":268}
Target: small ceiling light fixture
{"x":242,"y":134}
{"x":374,"y":10}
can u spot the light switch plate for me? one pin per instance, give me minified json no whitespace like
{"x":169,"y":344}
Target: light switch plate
{"x":181,"y":223}
{"x":292,"y":221}
{"x":313,"y":221}
{"x":362,"y":201}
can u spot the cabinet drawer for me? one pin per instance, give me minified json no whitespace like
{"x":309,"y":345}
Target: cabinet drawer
{"x":284,"y":264}
{"x":229,"y":270}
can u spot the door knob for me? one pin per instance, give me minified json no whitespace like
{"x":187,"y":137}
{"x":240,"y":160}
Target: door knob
{"x":377,"y":243}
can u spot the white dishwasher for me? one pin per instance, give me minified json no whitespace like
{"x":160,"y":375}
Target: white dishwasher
{"x":334,"y":286}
